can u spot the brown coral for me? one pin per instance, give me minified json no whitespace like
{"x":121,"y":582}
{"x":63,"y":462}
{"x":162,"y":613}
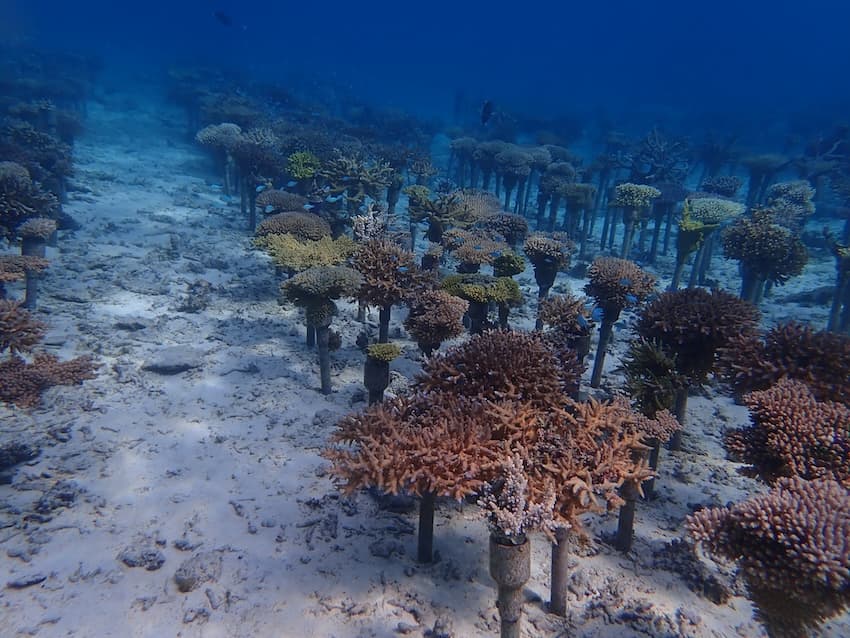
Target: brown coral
{"x":501,"y":365}
{"x":273,"y":200}
{"x":302,"y":226}
{"x":693,"y":323}
{"x":820,"y":359}
{"x":389,"y":272}
{"x":791,"y":548}
{"x":793,"y":434}
{"x":434,"y":316}
{"x":15,"y":267}
{"x":19,"y":331}
{"x":37,"y":228}
{"x":618,"y":283}
{"x":22,"y":383}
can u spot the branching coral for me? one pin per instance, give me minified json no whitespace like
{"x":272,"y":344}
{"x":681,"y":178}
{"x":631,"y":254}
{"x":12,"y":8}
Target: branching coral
{"x":293,"y":255}
{"x":355,"y":177}
{"x":512,"y":227}
{"x":23,"y":383}
{"x":768,"y":252}
{"x":615,"y":284}
{"x":723,"y":185}
{"x":513,"y":165}
{"x":19,"y":331}
{"x":481,"y":291}
{"x":635,"y":200}
{"x":37,"y":228}
{"x":791,"y":203}
{"x":473,"y":248}
{"x":820,"y":359}
{"x":554,"y":187}
{"x":301,"y":226}
{"x":303,"y":165}
{"x":791,"y":548}
{"x":549,"y":255}
{"x":21,"y":199}
{"x":390,"y":274}
{"x":714,"y":211}
{"x":791,"y":433}
{"x":500,"y":365}
{"x":433,"y":317}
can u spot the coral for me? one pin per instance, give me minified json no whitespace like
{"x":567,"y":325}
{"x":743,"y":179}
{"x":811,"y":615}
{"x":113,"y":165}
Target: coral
{"x":791,"y":433}
{"x":37,"y":227}
{"x":819,"y":359}
{"x":791,"y":203}
{"x":355,"y":177}
{"x":22,"y":383}
{"x":293,"y":255}
{"x":634,"y":196}
{"x":652,"y":379}
{"x":433,"y":317}
{"x":503,"y":365}
{"x":544,"y":251}
{"x":512,"y":227}
{"x":692,"y":324}
{"x":509,"y":507}
{"x":566,"y":315}
{"x":791,"y":548}
{"x":302,"y":165}
{"x":222,"y":136}
{"x":301,"y":226}
{"x":320,"y":284}
{"x":482,"y":288}
{"x":389,"y":272}
{"x":15,"y":267}
{"x":587,"y":450}
{"x":383,"y":351}
{"x":277,"y":201}
{"x":557,"y":179}
{"x":618,"y":283}
{"x":714,"y":211}
{"x":767,"y":251}
{"x":19,"y":331}
{"x":473,"y":247}
{"x":439,"y":444}
{"x":21,"y":198}
{"x":372,"y":224}
{"x":508,"y":264}
{"x":723,"y":185}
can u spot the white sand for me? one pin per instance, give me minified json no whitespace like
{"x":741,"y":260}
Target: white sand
{"x":225,"y":457}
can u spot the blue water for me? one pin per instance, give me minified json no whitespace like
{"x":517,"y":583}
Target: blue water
{"x":663,"y":60}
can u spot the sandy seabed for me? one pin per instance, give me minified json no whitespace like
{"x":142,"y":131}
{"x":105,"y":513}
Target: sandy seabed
{"x":209,"y":479}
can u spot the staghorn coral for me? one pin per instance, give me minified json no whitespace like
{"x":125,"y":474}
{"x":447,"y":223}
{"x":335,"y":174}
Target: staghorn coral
{"x":15,"y":267}
{"x":23,"y":383}
{"x":21,"y":198}
{"x":615,"y":284}
{"x":355,"y":177}
{"x":390,"y":274}
{"x":791,"y":549}
{"x":723,"y":185}
{"x":303,"y":165}
{"x":385,"y":352}
{"x":19,"y":331}
{"x":768,"y":252}
{"x":222,"y":136}
{"x":652,"y":379}
{"x":372,"y":224}
{"x":819,"y":359}
{"x":293,"y":255}
{"x":37,"y":228}
{"x":503,"y":365}
{"x":635,"y":200}
{"x":273,"y":200}
{"x":507,"y":264}
{"x":434,"y":316}
{"x":513,"y":164}
{"x":301,"y":226}
{"x":472,"y":248}
{"x":791,"y":433}
{"x":548,"y":255}
{"x":566,"y":315}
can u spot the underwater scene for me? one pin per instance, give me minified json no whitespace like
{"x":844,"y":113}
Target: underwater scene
{"x":438,"y":320}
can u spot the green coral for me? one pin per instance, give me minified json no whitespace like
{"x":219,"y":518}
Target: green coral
{"x":636,"y":196}
{"x":483,"y":288}
{"x":293,"y":255}
{"x":508,"y":264}
{"x":303,"y":165}
{"x":383,"y":351}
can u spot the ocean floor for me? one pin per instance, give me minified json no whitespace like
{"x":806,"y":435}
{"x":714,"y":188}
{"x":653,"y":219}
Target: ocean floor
{"x":180,"y":493}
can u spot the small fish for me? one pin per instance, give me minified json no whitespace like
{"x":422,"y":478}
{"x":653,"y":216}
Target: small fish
{"x":477,"y":247}
{"x":596,"y":315}
{"x":331,"y":199}
{"x":291,"y":183}
{"x":326,"y":189}
{"x":269,"y":208}
{"x":496,"y":253}
{"x":309,"y":207}
{"x":403,"y":269}
{"x":215,"y":187}
{"x":581,"y":321}
{"x":226,"y":199}
{"x":625,"y":281}
{"x":260,"y":188}
{"x":347,"y":178}
{"x":631,"y":299}
{"x":486,"y":111}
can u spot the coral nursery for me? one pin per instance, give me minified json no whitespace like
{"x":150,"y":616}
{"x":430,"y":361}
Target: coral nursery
{"x":322,"y":322}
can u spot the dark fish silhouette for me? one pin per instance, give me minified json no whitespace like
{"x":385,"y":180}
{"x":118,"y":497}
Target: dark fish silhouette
{"x":223,"y":18}
{"x":486,"y":111}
